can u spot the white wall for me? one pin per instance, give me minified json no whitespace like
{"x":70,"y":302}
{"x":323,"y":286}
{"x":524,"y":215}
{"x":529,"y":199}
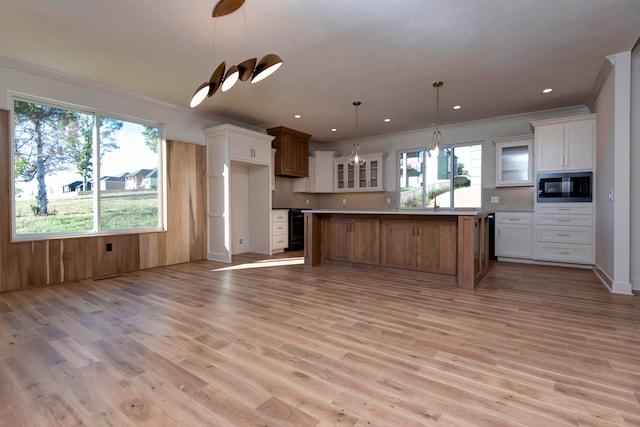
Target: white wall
{"x":604,"y":178}
{"x":635,"y":169}
{"x":239,"y":202}
{"x":613,"y":169}
{"x":484,"y":131}
{"x":181,"y":124}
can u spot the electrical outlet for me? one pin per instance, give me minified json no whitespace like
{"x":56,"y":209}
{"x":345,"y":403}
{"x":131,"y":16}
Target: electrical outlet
{"x":307,"y":201}
{"x":495,"y":199}
{"x":344,"y":201}
{"x":388,"y":200}
{"x":241,"y":241}
{"x":109,"y":247}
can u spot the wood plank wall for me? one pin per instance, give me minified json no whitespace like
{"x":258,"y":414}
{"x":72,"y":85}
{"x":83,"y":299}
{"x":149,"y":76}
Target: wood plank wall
{"x":29,"y":264}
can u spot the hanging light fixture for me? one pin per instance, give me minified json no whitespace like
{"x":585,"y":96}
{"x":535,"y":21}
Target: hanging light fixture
{"x":436,"y":142}
{"x":355,"y":158}
{"x":244,"y":71}
{"x":267,"y":66}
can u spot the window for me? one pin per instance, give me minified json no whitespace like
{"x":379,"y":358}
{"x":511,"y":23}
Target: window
{"x":452,"y":178}
{"x":79,"y":172}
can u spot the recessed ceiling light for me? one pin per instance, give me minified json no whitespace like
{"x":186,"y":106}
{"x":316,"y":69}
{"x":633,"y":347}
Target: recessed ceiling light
{"x":387,"y":120}
{"x":457,"y":107}
{"x":334,"y":130}
{"x":297,"y":116}
{"x":548,"y":90}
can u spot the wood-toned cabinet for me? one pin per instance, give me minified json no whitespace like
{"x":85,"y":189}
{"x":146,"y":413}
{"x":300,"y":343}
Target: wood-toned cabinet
{"x":366,"y":177}
{"x":292,"y":155}
{"x":351,"y":239}
{"x":449,"y":248}
{"x":428,"y":245}
{"x":565,"y":144}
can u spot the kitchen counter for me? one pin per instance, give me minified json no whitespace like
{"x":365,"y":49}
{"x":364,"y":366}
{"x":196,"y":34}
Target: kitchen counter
{"x":443,"y":211}
{"x":446,"y":245}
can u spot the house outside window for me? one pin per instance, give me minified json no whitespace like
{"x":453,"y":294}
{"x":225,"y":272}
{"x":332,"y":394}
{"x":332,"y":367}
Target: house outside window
{"x":452,"y":177}
{"x":79,"y":172}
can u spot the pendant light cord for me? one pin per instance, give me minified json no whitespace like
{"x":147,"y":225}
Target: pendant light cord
{"x":438,"y":108}
{"x":357,"y":103}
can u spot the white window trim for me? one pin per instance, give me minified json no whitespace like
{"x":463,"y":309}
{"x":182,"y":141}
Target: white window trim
{"x":162,"y":167}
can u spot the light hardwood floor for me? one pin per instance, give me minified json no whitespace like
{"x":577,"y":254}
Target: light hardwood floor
{"x":283,"y":345}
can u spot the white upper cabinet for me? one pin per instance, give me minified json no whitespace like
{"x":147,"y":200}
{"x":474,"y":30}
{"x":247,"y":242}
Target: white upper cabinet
{"x":565,"y":144}
{"x":320,"y":178}
{"x":514,"y":161}
{"x":367,"y":177}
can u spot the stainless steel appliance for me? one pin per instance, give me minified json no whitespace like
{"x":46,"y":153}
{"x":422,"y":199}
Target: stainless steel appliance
{"x":564,"y":187}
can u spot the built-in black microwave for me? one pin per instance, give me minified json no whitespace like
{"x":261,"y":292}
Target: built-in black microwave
{"x":564,"y":187}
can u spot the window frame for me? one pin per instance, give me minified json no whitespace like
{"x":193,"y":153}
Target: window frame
{"x":95,"y":180}
{"x":451,"y":179}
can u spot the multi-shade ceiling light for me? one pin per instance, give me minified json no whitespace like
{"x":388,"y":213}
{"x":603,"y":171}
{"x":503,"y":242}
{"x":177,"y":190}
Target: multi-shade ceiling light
{"x":249,"y":69}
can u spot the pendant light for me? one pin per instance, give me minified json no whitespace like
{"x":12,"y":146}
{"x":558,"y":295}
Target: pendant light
{"x":244,"y":71}
{"x":356,"y":158}
{"x":267,"y":66}
{"x":436,"y":142}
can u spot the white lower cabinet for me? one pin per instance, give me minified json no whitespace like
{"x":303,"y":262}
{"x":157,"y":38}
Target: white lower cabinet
{"x":564,"y":233}
{"x":279,"y":230}
{"x":514,"y":235}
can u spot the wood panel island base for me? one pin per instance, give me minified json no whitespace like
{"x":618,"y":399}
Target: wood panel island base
{"x":446,"y":245}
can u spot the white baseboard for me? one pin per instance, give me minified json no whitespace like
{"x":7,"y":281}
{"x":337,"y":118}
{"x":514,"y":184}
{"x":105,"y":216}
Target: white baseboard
{"x":614,"y":287}
{"x":537,"y":262}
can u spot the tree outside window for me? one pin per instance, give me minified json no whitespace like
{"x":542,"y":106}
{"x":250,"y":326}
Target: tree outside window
{"x":66,"y":161}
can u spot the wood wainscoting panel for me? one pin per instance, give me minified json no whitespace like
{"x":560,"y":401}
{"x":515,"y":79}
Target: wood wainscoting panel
{"x":29,"y":264}
{"x":186,"y":236}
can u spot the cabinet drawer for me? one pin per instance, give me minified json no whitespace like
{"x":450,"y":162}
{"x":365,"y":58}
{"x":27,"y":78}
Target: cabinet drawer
{"x":280,"y":228}
{"x":514,"y":218}
{"x":279,"y":216}
{"x":279,"y":242}
{"x":564,"y":234}
{"x":581,"y":254}
{"x":565,"y":208}
{"x":565,"y":220}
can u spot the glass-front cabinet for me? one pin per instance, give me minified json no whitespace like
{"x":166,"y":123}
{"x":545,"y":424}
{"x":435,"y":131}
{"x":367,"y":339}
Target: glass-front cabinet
{"x":366,"y":177}
{"x":514,"y":161}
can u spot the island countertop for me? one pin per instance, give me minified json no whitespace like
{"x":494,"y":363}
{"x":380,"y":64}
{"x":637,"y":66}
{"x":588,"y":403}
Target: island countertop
{"x":449,"y":212}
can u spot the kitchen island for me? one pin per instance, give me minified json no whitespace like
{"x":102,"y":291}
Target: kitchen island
{"x":444,"y":245}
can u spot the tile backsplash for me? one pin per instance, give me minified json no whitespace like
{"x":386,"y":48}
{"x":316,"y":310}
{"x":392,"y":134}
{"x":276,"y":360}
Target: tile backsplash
{"x":509,"y":199}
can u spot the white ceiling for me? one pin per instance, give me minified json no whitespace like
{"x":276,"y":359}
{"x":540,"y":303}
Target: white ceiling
{"x":494,"y":56}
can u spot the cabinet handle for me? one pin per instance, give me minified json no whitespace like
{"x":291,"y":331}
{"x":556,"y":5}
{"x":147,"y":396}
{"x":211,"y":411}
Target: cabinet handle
{"x":564,"y":209}
{"x":564,"y":253}
{"x":514,"y":219}
{"x":564,"y":235}
{"x":562,"y":161}
{"x":564,"y":220}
